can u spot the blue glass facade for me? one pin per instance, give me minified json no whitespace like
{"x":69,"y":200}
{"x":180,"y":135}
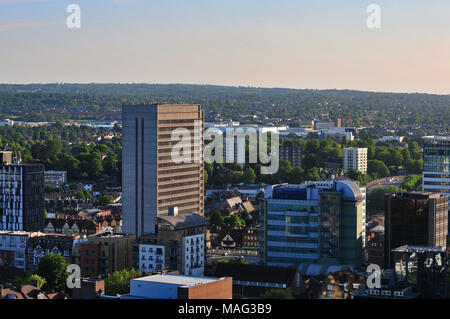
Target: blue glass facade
{"x":311,"y":224}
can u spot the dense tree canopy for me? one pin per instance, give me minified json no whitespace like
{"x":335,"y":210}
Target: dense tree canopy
{"x":119,"y":281}
{"x":53,"y":268}
{"x":103,"y":101}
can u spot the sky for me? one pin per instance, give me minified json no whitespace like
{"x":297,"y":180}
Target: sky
{"x":315,"y":44}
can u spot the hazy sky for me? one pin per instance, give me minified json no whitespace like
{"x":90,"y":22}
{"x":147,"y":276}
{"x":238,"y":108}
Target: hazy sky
{"x":271,"y":43}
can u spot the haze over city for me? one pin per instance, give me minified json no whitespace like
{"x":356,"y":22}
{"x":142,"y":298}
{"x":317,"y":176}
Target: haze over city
{"x":292,"y":44}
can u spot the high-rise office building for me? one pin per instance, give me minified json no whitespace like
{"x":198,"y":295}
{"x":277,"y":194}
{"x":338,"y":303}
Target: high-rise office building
{"x":21,"y":197}
{"x":316,"y":222}
{"x":436,"y":165}
{"x":356,"y":158}
{"x":415,"y":218}
{"x":161,"y":170}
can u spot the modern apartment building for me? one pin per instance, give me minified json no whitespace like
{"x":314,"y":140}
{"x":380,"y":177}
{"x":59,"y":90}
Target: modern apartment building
{"x":356,"y":158}
{"x":316,"y":222}
{"x":178,"y":245}
{"x":159,"y":171}
{"x":416,"y":219}
{"x":292,"y":153}
{"x":151,"y":258}
{"x":103,"y":253}
{"x":21,"y":197}
{"x":436,"y":165}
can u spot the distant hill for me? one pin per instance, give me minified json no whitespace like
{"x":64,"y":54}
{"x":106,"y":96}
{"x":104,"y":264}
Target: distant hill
{"x":103,"y":101}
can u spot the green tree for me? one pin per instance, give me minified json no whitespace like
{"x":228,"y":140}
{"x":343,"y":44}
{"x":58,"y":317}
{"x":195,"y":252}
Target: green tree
{"x":245,"y":216}
{"x":205,"y":173}
{"x":249,"y":176}
{"x":52,"y":147}
{"x":53,"y":268}
{"x":80,"y":195}
{"x":118,"y":283}
{"x":105,"y":199}
{"x":397,"y":157}
{"x":352,"y":173}
{"x":87,"y":194}
{"x":414,"y":166}
{"x":312,"y":174}
{"x":216,"y":219}
{"x":375,"y":199}
{"x":415,"y":151}
{"x":412,"y":183}
{"x":377,"y":167}
{"x":28,"y":280}
{"x":392,"y":189}
{"x":235,"y":260}
{"x":296,"y":176}
{"x":234,"y":221}
{"x":277,"y":294}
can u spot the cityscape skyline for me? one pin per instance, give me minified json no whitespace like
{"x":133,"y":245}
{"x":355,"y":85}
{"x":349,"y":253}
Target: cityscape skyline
{"x":232,"y":150}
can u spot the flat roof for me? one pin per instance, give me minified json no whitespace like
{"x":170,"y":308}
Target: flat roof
{"x":14,"y":232}
{"x":436,"y":138}
{"x":179,"y":280}
{"x":419,"y":249}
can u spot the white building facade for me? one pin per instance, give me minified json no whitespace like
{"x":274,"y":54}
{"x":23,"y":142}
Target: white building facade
{"x":193,"y":256}
{"x":151,"y":258}
{"x":356,"y":158}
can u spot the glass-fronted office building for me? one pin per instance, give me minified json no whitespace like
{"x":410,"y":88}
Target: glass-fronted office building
{"x":316,"y":222}
{"x":436,"y":164}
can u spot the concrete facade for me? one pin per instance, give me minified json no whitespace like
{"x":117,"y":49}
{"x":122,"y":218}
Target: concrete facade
{"x":152,"y":181}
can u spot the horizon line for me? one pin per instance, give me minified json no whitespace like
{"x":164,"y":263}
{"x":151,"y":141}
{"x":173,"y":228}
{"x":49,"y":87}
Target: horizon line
{"x":229,"y":86}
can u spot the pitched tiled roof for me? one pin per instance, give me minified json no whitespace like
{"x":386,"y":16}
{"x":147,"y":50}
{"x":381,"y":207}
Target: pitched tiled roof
{"x":232,"y":202}
{"x":248,"y":206}
{"x":51,"y":241}
{"x":24,"y":292}
{"x":58,"y":223}
{"x":236,"y":234}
